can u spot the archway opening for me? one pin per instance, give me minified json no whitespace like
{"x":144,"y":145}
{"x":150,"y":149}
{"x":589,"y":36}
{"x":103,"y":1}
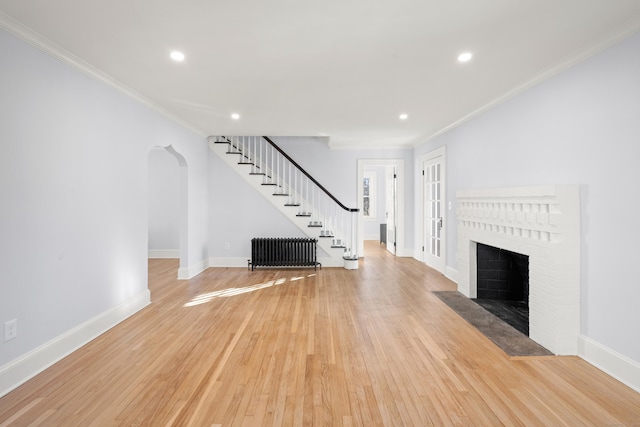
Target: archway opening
{"x":167,"y":209}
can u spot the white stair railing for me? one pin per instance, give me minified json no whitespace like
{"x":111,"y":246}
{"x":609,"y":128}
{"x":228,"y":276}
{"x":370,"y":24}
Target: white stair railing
{"x":332,"y":219}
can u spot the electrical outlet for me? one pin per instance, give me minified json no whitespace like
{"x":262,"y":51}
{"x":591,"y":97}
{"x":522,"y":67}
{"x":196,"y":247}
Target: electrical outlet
{"x":227,"y":245}
{"x":10,"y":329}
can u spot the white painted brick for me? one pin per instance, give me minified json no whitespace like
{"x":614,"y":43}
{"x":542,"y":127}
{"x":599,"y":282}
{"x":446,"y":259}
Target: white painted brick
{"x":551,"y":241}
{"x":543,"y":218}
{"x":554,"y":218}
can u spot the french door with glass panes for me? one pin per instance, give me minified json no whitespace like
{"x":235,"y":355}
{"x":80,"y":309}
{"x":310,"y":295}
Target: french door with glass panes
{"x":433,"y":210}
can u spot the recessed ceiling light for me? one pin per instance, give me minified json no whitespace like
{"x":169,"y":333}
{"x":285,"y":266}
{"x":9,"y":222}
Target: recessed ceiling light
{"x":465,"y":56}
{"x":177,"y":56}
{"x":235,"y":116}
{"x":404,"y":116}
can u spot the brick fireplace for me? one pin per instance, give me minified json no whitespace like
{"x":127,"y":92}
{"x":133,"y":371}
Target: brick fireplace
{"x":542,"y":223}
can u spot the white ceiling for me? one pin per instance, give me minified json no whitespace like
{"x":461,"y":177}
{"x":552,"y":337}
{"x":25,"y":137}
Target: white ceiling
{"x":343,"y":69}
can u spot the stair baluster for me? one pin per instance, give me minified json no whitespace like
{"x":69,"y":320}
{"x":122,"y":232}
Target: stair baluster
{"x":324,"y":212}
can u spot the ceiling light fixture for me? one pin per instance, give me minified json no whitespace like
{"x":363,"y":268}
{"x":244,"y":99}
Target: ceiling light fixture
{"x":235,"y":116}
{"x":177,"y":56}
{"x":404,"y":116}
{"x":465,"y":56}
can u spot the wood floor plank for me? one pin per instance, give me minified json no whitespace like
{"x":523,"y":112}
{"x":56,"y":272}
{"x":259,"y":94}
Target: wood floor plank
{"x":366,"y":347}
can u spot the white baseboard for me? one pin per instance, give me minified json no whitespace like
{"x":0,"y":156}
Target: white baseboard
{"x":164,"y":253}
{"x":331,"y":262}
{"x":618,"y":366}
{"x":404,"y":253}
{"x":25,"y":367}
{"x":451,"y":274}
{"x":242,"y":262}
{"x":228,"y":261}
{"x":186,"y":273}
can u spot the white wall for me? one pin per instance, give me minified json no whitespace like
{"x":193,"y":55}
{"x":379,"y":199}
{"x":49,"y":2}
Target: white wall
{"x":73,"y":185}
{"x":581,"y":127}
{"x":238,"y":214}
{"x":164,"y":202}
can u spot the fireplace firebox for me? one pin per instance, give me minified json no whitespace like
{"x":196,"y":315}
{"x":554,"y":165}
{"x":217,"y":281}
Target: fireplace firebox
{"x":502,"y":275}
{"x":503,"y":285}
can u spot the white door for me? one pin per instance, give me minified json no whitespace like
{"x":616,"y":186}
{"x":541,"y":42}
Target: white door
{"x":391,"y":207}
{"x":433,"y":212}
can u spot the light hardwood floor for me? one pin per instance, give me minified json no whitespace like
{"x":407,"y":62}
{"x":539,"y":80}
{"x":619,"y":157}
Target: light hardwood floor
{"x":331,"y":347}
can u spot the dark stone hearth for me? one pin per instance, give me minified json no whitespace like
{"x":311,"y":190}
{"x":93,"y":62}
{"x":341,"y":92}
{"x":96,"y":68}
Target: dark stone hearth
{"x":509,"y":339}
{"x":515,"y":313}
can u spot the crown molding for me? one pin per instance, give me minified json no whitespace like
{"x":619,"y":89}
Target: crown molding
{"x":624,"y":31}
{"x":45,"y":45}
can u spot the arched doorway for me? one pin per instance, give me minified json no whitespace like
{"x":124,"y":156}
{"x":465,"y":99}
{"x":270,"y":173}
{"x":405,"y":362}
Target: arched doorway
{"x":167,"y":209}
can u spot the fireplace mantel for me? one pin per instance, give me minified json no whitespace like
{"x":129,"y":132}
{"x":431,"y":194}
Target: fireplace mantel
{"x":542,"y":222}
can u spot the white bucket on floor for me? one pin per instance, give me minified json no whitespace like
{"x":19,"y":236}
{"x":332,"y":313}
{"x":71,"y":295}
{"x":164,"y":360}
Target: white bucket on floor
{"x":351,"y":264}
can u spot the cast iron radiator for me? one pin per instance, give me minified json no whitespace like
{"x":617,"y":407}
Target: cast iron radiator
{"x":283,"y":252}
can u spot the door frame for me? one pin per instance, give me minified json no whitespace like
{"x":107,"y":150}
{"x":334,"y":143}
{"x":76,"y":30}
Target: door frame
{"x":439,"y":152}
{"x":400,"y":198}
{"x":391,"y":192}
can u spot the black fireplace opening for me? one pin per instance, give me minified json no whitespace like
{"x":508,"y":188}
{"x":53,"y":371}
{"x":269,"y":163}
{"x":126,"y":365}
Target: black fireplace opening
{"x":503,"y":285}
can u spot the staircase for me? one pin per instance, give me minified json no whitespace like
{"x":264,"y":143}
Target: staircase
{"x":295,"y":193}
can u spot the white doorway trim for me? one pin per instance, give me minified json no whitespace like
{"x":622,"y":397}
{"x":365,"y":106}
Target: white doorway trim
{"x":400,"y":214}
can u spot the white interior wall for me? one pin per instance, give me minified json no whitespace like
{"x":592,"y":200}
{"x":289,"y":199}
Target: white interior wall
{"x":74,"y":217}
{"x":238,"y":214}
{"x":580,"y":127}
{"x":164,"y":204}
